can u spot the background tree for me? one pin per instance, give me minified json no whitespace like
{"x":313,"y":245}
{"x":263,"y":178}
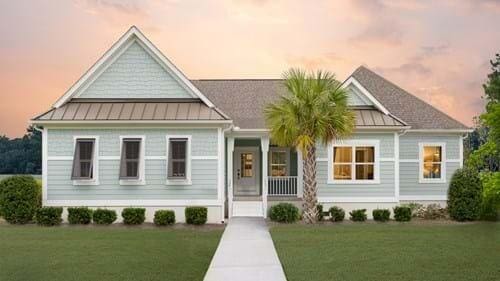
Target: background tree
{"x":486,"y":158}
{"x":314,"y":110}
{"x":21,"y":155}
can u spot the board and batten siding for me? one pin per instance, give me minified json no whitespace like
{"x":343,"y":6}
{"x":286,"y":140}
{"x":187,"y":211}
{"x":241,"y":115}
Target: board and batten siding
{"x":135,"y":73}
{"x":383,"y":189}
{"x":409,"y":165}
{"x":203,"y":166}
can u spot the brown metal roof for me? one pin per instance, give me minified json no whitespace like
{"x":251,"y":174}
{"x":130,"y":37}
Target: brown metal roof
{"x":374,"y":118}
{"x":131,"y":110}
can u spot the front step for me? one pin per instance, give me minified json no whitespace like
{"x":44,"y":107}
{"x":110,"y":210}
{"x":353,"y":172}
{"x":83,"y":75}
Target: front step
{"x":248,"y":209}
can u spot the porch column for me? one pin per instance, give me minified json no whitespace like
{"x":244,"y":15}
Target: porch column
{"x":300,"y":174}
{"x":264,"y":143}
{"x":229,"y":175}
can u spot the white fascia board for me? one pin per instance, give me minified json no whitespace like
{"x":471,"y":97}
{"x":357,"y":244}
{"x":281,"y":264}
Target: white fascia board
{"x":87,"y":122}
{"x":440,"y":131}
{"x":116,"y":47}
{"x":364,"y":91}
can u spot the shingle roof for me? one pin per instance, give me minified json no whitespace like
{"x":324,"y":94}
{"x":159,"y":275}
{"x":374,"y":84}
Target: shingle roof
{"x":414,"y":111}
{"x":131,"y":110}
{"x":245,"y":99}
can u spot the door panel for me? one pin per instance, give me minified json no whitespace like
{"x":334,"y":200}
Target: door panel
{"x":246,"y":170}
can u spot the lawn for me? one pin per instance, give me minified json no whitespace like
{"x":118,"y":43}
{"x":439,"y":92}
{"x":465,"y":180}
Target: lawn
{"x":371,"y":251}
{"x":105,"y":253}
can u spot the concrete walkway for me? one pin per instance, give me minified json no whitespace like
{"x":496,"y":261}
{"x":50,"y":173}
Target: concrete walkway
{"x":246,"y":252}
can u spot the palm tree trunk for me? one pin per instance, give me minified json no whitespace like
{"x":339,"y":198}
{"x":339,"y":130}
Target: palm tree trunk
{"x":310,"y":214}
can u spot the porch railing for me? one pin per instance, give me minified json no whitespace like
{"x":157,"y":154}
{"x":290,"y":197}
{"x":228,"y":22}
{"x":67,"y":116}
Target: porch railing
{"x":282,"y":186}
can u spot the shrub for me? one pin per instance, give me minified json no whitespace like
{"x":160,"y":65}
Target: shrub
{"x":433,"y":211}
{"x":164,"y":217}
{"x":381,"y":214}
{"x":284,"y":212}
{"x":490,"y":206}
{"x":358,"y":215}
{"x":48,"y":216}
{"x":464,"y":195}
{"x":321,"y":214}
{"x":19,"y":198}
{"x":336,"y":214}
{"x":79,"y":215}
{"x":134,"y":216}
{"x":104,"y":216}
{"x":402,"y":213}
{"x":196,"y":215}
{"x":417,"y":209}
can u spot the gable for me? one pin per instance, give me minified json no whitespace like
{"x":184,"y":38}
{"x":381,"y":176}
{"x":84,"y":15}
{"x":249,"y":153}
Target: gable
{"x":135,"y":74}
{"x":356,"y":98}
{"x":133,"y":68}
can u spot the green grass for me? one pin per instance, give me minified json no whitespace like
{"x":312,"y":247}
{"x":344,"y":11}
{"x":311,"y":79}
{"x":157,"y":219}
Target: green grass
{"x":389,"y":251}
{"x":105,"y":253}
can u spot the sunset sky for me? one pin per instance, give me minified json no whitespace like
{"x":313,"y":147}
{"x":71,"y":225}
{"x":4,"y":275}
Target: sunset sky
{"x":437,"y":50}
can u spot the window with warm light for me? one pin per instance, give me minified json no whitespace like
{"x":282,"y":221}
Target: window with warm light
{"x":278,"y":163}
{"x":353,"y":163}
{"x":432,"y":162}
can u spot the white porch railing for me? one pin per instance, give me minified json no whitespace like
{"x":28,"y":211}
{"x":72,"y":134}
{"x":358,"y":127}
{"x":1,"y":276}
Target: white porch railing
{"x":282,"y":186}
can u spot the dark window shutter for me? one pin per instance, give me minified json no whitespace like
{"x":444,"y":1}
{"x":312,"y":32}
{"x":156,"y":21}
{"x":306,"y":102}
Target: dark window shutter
{"x":130,"y":159}
{"x":177,"y":158}
{"x":83,"y":160}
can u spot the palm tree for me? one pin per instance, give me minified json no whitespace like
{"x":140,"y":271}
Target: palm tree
{"x":314,"y":110}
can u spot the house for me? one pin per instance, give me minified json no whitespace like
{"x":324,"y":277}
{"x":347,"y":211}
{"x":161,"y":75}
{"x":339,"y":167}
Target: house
{"x":135,"y":131}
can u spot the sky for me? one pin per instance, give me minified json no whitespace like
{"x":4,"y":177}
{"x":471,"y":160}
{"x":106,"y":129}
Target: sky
{"x":436,"y":50}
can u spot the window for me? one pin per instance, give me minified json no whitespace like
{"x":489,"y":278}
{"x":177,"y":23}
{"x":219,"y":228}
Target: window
{"x":354,"y":162}
{"x":432,"y":168}
{"x":278,"y":163}
{"x":130,"y":158}
{"x":246,"y":165}
{"x":83,"y":160}
{"x":177,"y":158}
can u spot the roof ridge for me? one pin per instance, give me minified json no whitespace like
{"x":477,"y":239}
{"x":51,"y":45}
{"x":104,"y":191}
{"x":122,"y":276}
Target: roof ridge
{"x":362,"y":67}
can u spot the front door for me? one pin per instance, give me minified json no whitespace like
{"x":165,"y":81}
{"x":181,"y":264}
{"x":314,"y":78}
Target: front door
{"x":246,"y":170}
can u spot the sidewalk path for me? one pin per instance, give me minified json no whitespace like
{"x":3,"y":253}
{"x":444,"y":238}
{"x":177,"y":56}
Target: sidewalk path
{"x":245,"y":252}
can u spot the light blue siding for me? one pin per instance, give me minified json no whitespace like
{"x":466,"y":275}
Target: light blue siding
{"x":386,"y":144}
{"x":386,"y":186}
{"x":384,"y":189}
{"x":203,"y":172}
{"x":356,"y":98}
{"x":409,"y":185}
{"x":135,"y":74}
{"x":203,"y":142}
{"x":408,"y":147}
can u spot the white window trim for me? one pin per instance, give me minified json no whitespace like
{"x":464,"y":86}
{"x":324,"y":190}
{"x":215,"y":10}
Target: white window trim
{"x":279,"y":149}
{"x":142,"y":161}
{"x":421,"y":178}
{"x":95,"y":164}
{"x":187,"y":180}
{"x":355,"y":143}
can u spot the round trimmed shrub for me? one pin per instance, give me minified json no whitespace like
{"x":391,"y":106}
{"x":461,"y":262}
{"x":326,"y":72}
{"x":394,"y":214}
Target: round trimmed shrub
{"x":19,"y":199}
{"x":104,"y":216}
{"x":133,"y":216}
{"x":336,"y":214}
{"x":48,"y":216}
{"x":164,"y":217}
{"x":381,"y":215}
{"x":79,"y":215}
{"x":196,"y":215}
{"x":464,"y":195}
{"x":402,"y":213}
{"x":284,"y":212}
{"x":358,"y":215}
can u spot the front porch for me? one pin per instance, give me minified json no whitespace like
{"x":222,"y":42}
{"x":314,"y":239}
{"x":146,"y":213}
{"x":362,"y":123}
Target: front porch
{"x":258,"y":172}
